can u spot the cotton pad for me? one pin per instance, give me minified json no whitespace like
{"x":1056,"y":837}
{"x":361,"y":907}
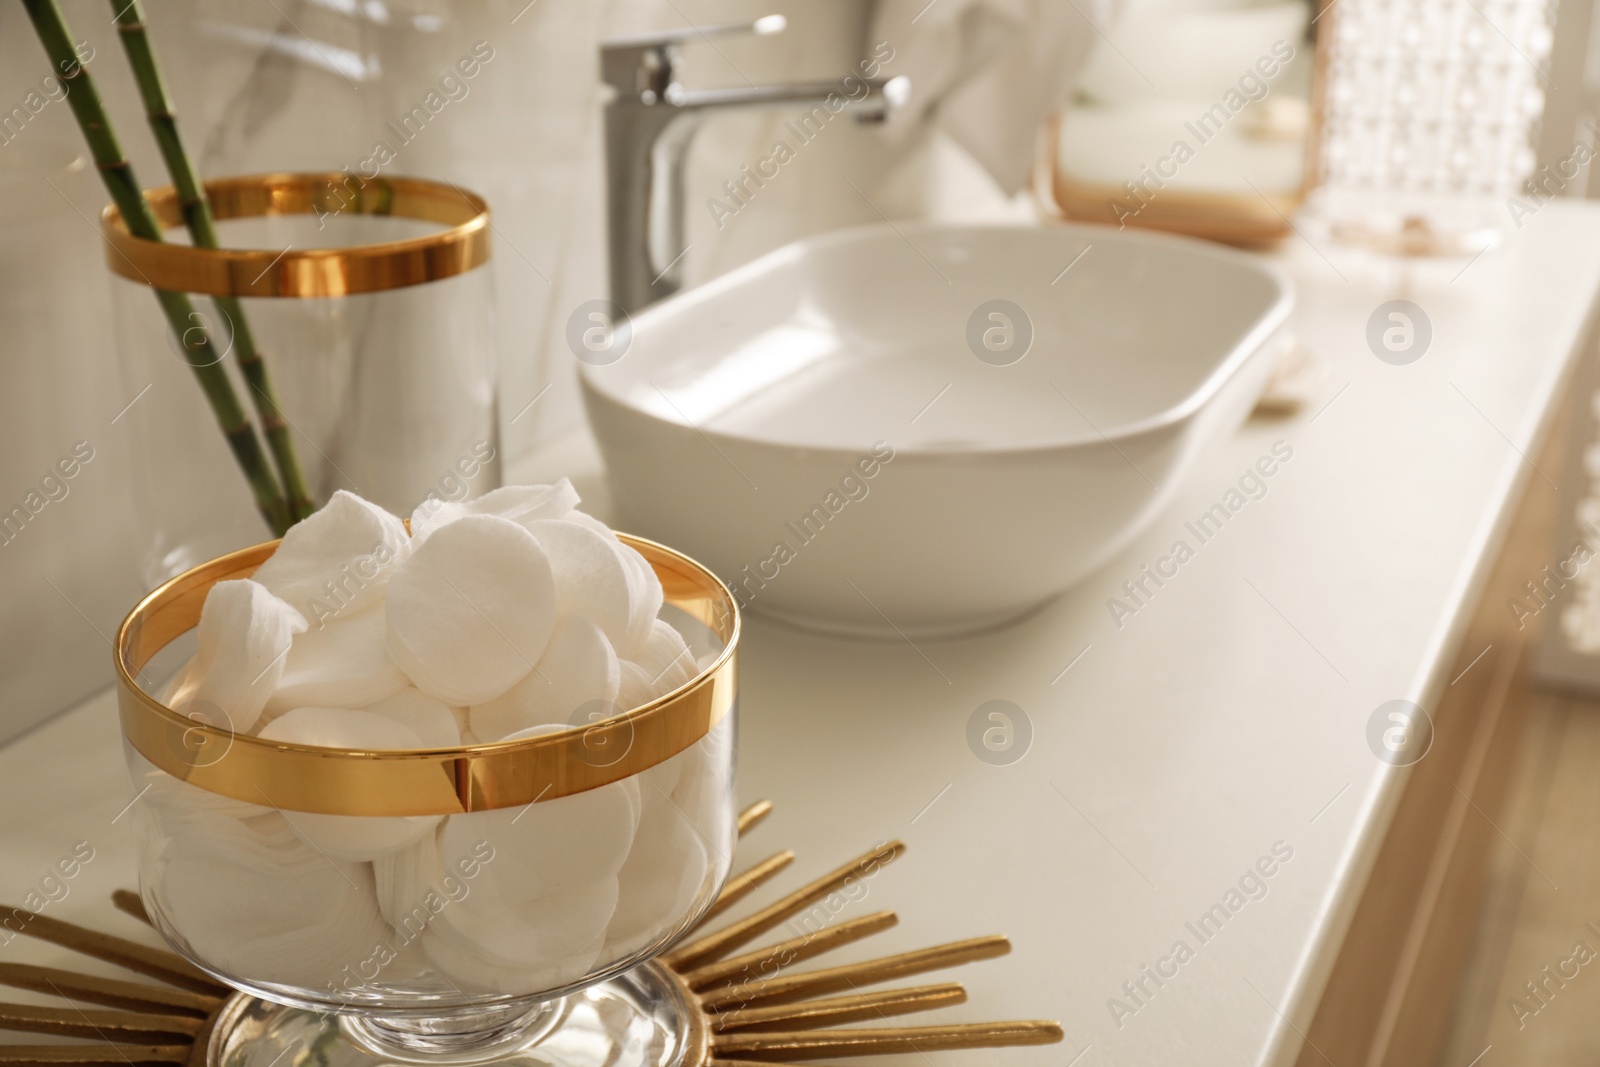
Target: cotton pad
{"x":417,"y":884}
{"x":466,"y":968}
{"x":645,"y":599}
{"x":361,"y":837}
{"x":336,"y":560}
{"x":244,"y":637}
{"x":471,"y":609}
{"x":340,"y":728}
{"x":551,"y":845}
{"x":635,"y":689}
{"x":577,"y":668}
{"x":657,"y":783}
{"x":403,"y":881}
{"x":665,"y":873}
{"x":664,"y":664}
{"x":460,"y":968}
{"x":583,"y":518}
{"x":352,"y":837}
{"x":343,"y":664}
{"x":704,"y":789}
{"x":173,"y":803}
{"x":591,"y":577}
{"x":519,"y":503}
{"x":513,"y":930}
{"x":434,"y":724}
{"x":255,"y":900}
{"x":645,"y":594}
{"x":665,"y":651}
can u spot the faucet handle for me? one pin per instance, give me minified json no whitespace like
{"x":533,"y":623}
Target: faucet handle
{"x":646,"y":63}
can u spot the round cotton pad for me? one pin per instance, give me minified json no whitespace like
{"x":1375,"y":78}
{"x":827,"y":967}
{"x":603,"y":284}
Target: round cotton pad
{"x":353,"y":837}
{"x":519,"y":503}
{"x":577,"y":667}
{"x":551,"y":845}
{"x":591,"y":577}
{"x":471,"y":609}
{"x":434,"y":723}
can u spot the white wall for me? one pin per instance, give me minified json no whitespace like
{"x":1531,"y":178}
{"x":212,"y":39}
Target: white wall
{"x":66,"y":576}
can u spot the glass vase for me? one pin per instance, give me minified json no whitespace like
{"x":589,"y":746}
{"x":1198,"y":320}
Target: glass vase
{"x":369,"y":308}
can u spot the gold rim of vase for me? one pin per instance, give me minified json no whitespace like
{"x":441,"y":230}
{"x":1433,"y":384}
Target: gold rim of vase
{"x":306,"y":272}
{"x":446,"y":781}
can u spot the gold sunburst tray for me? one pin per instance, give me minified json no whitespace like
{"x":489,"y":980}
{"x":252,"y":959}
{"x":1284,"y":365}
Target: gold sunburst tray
{"x":782,"y":1016}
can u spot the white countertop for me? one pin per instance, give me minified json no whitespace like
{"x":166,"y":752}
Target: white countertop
{"x":1227,"y":715}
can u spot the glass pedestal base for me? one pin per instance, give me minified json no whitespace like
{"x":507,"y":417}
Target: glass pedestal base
{"x":643,"y":1018}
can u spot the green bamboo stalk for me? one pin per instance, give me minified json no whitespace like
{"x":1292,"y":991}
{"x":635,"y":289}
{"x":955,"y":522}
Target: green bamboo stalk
{"x":118,"y":176}
{"x":129,"y":15}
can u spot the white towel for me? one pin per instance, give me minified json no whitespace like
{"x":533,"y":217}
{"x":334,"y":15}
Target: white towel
{"x":989,"y":72}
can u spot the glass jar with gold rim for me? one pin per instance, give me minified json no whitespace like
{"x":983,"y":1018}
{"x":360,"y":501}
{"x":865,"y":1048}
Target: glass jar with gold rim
{"x":481,"y":903}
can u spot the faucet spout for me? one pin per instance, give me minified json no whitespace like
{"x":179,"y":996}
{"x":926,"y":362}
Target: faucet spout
{"x":868,"y":99}
{"x":650,"y":123}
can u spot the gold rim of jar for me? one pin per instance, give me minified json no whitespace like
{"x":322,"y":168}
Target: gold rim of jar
{"x":306,"y":272}
{"x":447,"y":781}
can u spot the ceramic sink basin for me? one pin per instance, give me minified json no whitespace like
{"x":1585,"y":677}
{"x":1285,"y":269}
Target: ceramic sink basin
{"x":857,"y":437}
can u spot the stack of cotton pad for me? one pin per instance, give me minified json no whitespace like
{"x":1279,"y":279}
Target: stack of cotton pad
{"x":496,"y":619}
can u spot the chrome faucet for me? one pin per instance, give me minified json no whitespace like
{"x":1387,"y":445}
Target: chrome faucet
{"x":651,"y":119}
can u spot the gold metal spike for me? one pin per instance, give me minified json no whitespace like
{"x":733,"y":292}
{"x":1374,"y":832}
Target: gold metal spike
{"x":789,"y":987}
{"x":715,"y":946}
{"x":774,"y":958}
{"x":157,"y":963}
{"x":127,"y":901}
{"x":813,"y":1013}
{"x":111,"y":992}
{"x":804,"y":1046}
{"x":749,"y":817}
{"x":742,"y":885}
{"x":134,"y":1026}
{"x":755,"y":1011}
{"x":90,"y":1055}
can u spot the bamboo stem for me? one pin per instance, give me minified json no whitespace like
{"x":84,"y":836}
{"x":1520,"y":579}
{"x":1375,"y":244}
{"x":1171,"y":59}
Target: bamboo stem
{"x":197,"y":217}
{"x":117,"y":174}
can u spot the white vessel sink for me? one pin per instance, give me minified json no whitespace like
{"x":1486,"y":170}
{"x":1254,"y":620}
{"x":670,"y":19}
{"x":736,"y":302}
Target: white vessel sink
{"x":751,"y":421}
